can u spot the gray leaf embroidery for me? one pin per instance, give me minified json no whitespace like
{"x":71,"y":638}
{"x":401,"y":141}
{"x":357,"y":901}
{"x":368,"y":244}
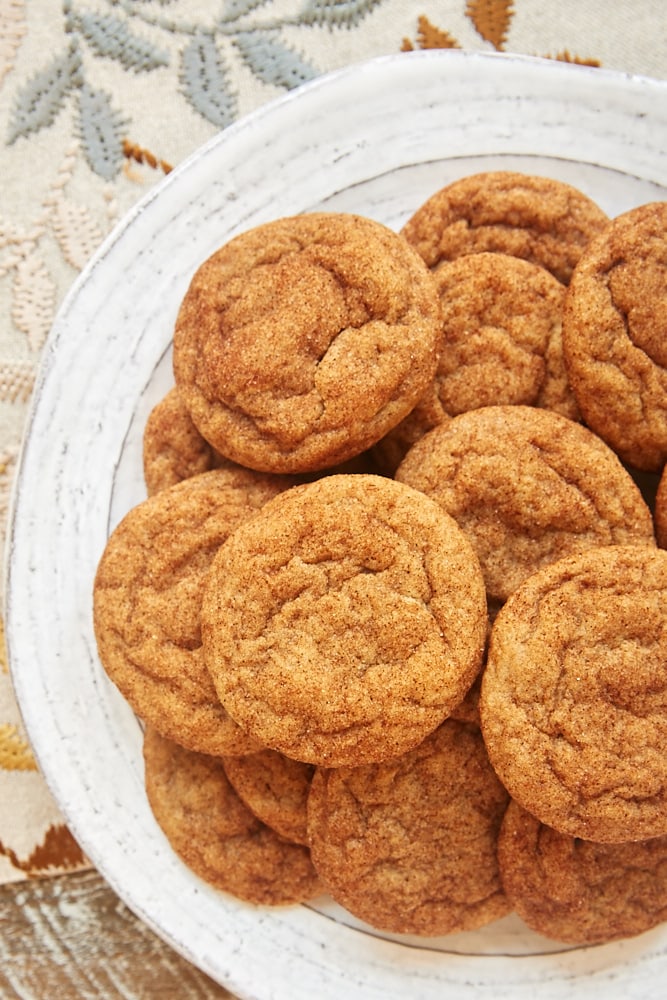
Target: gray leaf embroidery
{"x":272,"y":61}
{"x":102,"y":130}
{"x":235,"y":9}
{"x":337,"y":12}
{"x":109,"y":36}
{"x":42,"y":97}
{"x":205,"y":81}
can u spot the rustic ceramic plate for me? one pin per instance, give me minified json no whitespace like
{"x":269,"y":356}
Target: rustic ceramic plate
{"x":377,"y":139}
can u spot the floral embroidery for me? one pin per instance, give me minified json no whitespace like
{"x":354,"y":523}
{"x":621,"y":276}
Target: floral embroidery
{"x":133,"y":152}
{"x":134,"y":37}
{"x":12,"y":30}
{"x":491,"y":19}
{"x":34,"y":291}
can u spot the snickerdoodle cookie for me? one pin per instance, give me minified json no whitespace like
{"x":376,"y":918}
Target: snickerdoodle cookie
{"x":302,"y":341}
{"x":527,"y":486}
{"x":501,"y":321}
{"x":501,"y":345}
{"x":540,"y":219}
{"x":147,"y":597}
{"x":573,"y":705}
{"x":660,"y":509}
{"x":346,"y":621}
{"x":215,"y":834}
{"x":409,"y":845}
{"x":173,"y":448}
{"x":578,"y":891}
{"x":275,"y":788}
{"x":615,"y":335}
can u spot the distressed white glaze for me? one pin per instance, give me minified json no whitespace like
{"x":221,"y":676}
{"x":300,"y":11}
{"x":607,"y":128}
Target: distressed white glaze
{"x":376,"y":138}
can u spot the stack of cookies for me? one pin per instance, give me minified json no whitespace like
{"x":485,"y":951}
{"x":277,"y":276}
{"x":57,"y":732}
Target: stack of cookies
{"x":393,"y":615}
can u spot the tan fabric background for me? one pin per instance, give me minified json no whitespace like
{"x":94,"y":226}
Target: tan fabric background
{"x":98,"y":98}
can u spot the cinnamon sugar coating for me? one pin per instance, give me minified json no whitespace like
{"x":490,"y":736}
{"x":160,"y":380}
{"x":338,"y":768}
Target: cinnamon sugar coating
{"x":501,"y":345}
{"x":275,"y":788}
{"x":173,"y":448}
{"x":147,"y":599}
{"x":216,"y":835}
{"x":573,"y":703}
{"x":578,"y":891}
{"x":527,"y":486}
{"x":660,"y":509}
{"x":302,"y":341}
{"x":501,"y":320}
{"x":409,"y":845}
{"x":539,"y":219}
{"x":345,"y":622}
{"x":615,"y":335}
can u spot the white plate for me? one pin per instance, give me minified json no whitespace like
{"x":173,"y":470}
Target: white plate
{"x":377,"y":139}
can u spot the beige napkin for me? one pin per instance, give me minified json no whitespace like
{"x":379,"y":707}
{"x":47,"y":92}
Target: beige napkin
{"x":98,"y":99}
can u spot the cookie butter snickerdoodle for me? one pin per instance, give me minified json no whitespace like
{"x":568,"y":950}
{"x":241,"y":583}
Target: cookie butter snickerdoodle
{"x":301,"y":342}
{"x":578,"y":891}
{"x":275,"y":788}
{"x":573,"y":703}
{"x":501,"y":345}
{"x":615,"y":335}
{"x":215,"y":834}
{"x":409,"y":845}
{"x":527,"y":486}
{"x":345,"y":621}
{"x":539,"y":219}
{"x":173,"y":448}
{"x":147,"y":598}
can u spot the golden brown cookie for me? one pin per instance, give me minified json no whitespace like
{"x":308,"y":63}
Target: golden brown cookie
{"x":573,"y":704}
{"x":468,"y":709}
{"x":390,"y":450}
{"x":173,"y":448}
{"x":345,"y":622}
{"x":147,"y":598}
{"x":539,"y":219}
{"x":501,"y":345}
{"x":527,"y":486}
{"x":275,"y":788}
{"x":501,"y":320}
{"x":304,"y":340}
{"x":660,"y":510}
{"x":409,"y":845}
{"x":215,"y":834}
{"x":577,"y":891}
{"x":615,"y":335}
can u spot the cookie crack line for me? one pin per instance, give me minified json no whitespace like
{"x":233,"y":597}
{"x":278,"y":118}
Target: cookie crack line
{"x":465,"y":457}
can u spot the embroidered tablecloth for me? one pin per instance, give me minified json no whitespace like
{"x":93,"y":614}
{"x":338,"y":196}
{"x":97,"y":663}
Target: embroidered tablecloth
{"x":100,"y":98}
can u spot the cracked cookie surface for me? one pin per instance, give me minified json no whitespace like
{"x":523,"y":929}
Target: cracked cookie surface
{"x":578,"y":891}
{"x":301,"y":342}
{"x":527,"y":486}
{"x":501,"y":345}
{"x":539,"y":219}
{"x":409,"y":845}
{"x":275,"y":788}
{"x":615,"y":335}
{"x":573,"y":702}
{"x":147,"y":599}
{"x":173,"y":448}
{"x":501,"y":320}
{"x":215,"y":834}
{"x":346,"y":621}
